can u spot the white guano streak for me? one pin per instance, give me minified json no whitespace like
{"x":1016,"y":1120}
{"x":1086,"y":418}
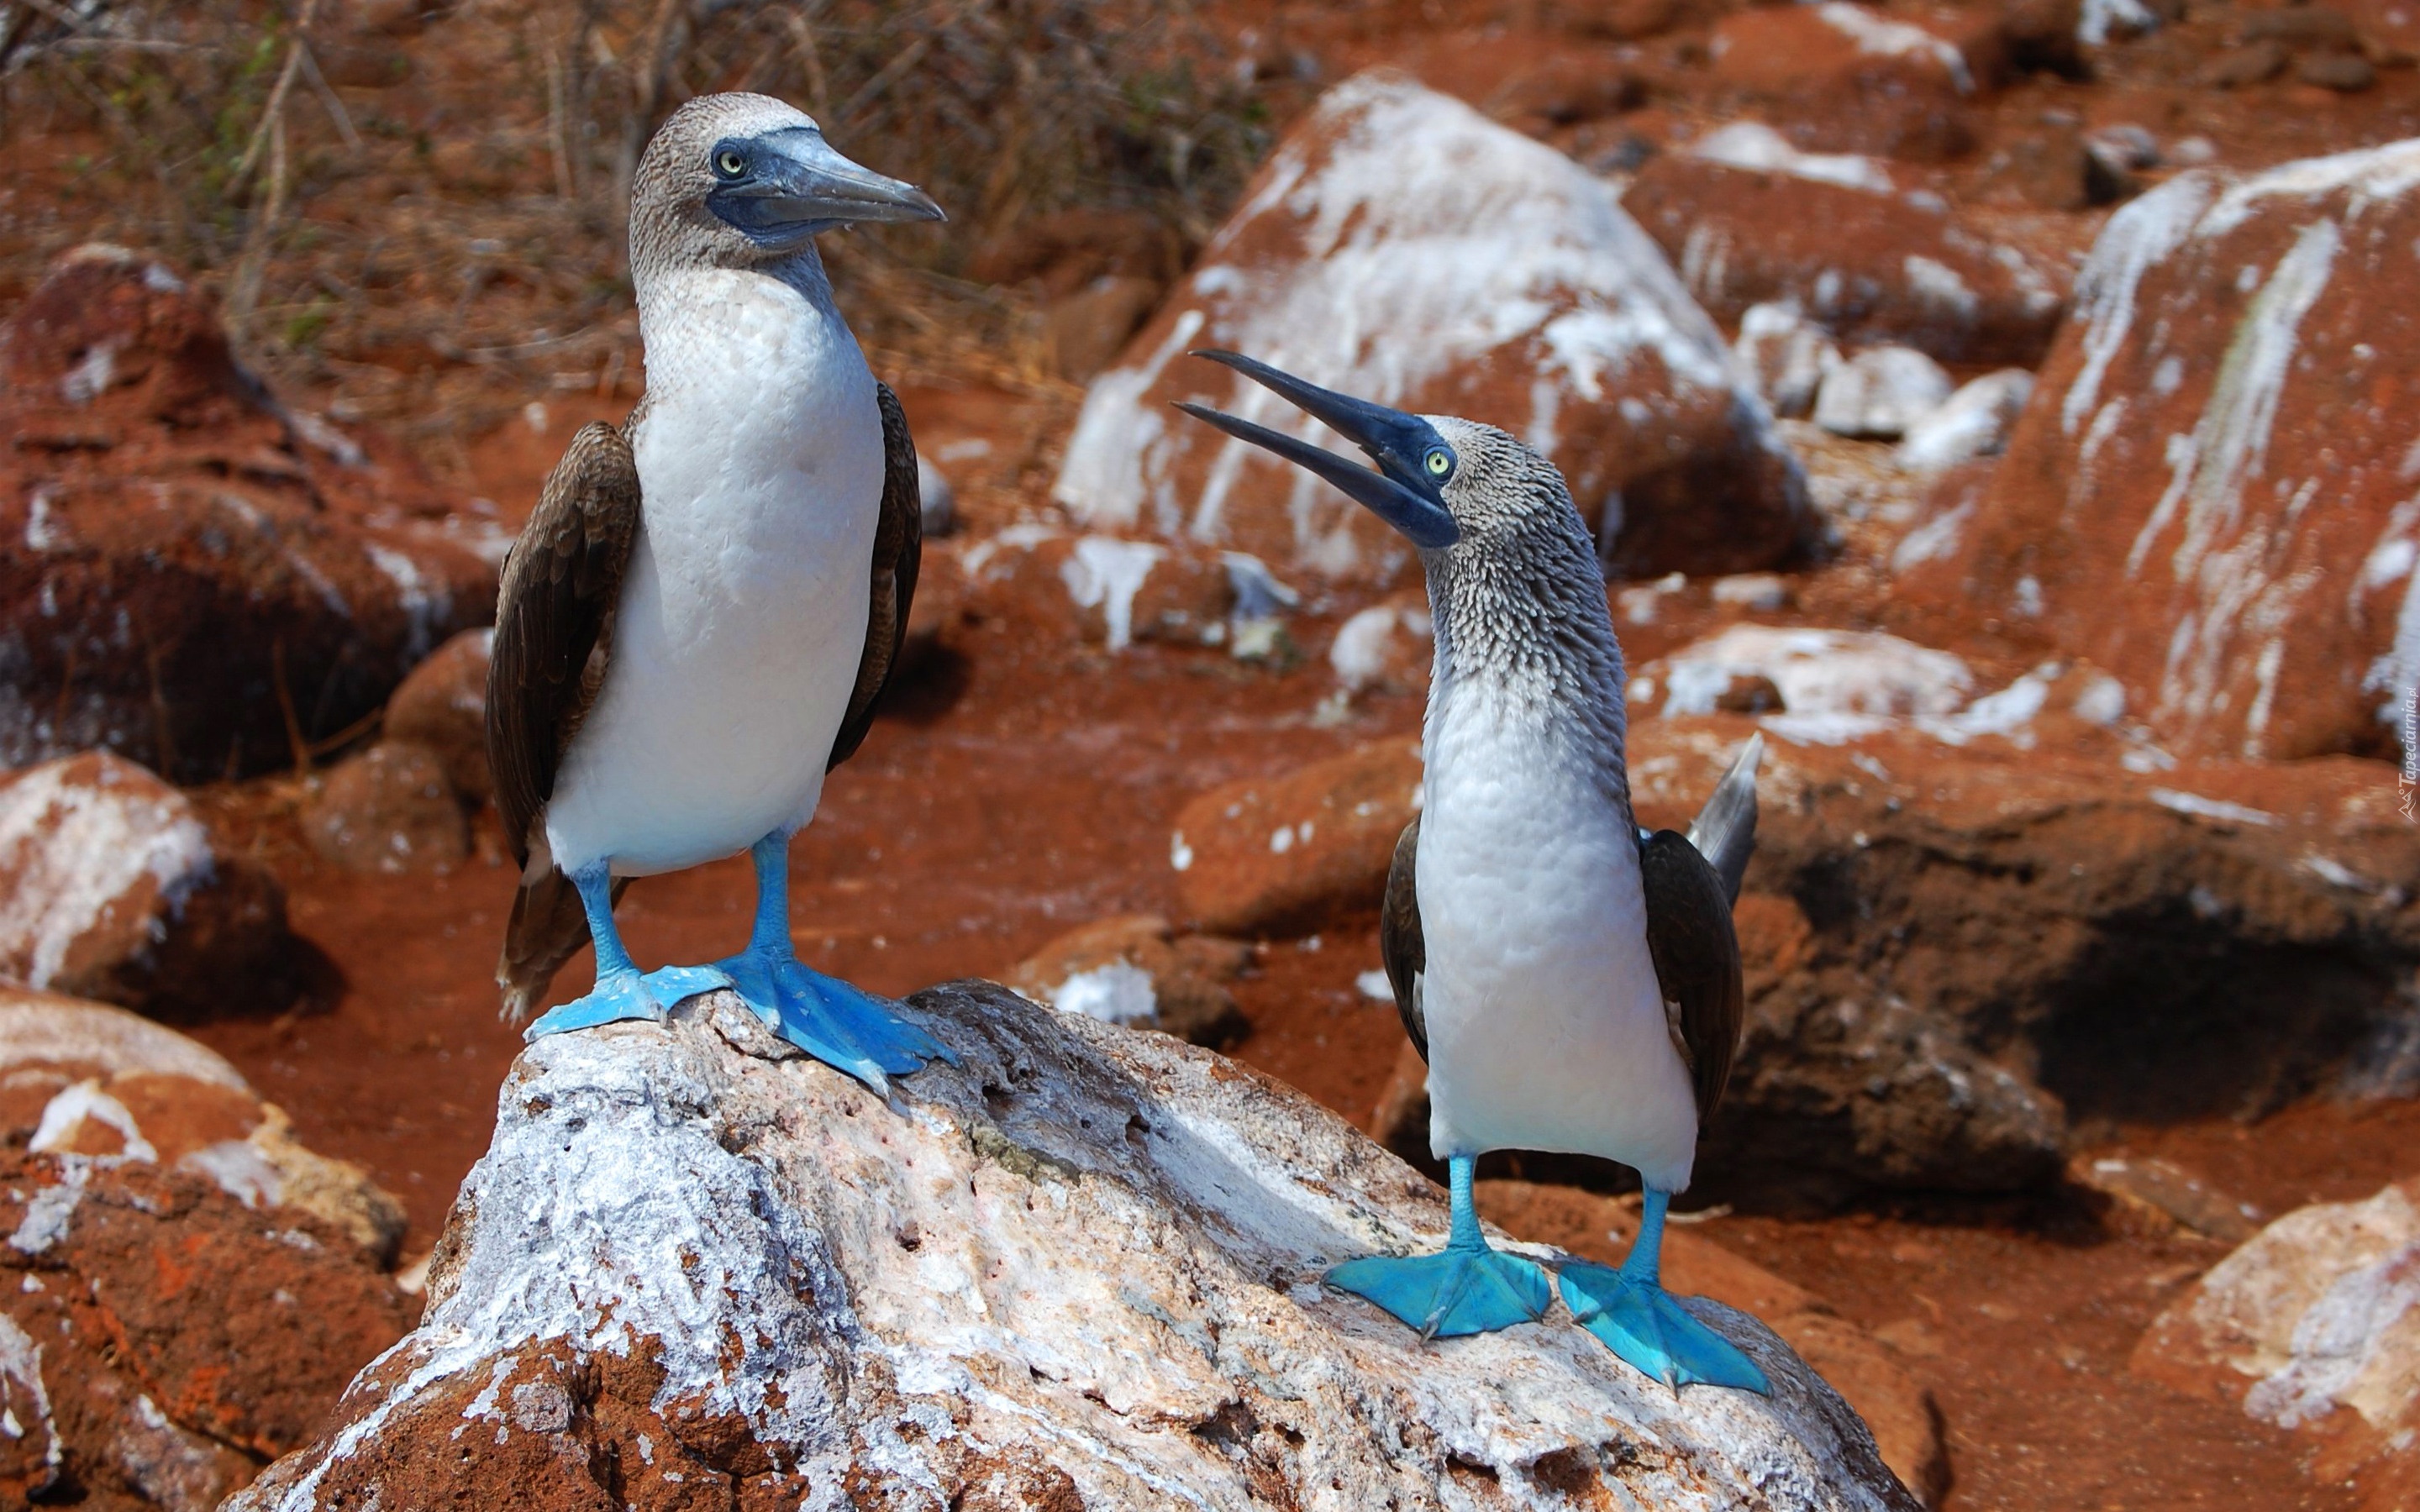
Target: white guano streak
{"x":75,"y":849}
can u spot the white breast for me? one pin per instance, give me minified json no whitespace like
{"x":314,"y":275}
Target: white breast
{"x":1546,"y":1028}
{"x":743,"y":614}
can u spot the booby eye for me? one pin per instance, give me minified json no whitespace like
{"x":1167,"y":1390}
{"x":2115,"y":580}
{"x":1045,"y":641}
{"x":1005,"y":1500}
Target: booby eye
{"x":729,"y":164}
{"x":1439,"y":462}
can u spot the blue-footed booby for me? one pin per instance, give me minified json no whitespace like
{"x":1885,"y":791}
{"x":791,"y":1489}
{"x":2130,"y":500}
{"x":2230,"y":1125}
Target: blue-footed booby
{"x":1573,"y":979}
{"x":696,"y":621}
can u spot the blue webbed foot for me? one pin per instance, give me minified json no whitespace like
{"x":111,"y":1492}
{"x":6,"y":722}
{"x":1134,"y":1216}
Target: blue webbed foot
{"x":844,"y":1026}
{"x":618,"y":996}
{"x":675,"y":985}
{"x":1640,"y":1321}
{"x":1456,"y":1292}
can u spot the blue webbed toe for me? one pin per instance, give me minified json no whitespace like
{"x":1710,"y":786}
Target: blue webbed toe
{"x":1641,"y":1322}
{"x":1459,"y":1290}
{"x":618,"y":996}
{"x":842,"y":1026}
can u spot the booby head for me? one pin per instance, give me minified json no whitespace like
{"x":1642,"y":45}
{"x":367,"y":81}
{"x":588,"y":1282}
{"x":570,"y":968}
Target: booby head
{"x":1439,"y":478}
{"x":740,"y":180}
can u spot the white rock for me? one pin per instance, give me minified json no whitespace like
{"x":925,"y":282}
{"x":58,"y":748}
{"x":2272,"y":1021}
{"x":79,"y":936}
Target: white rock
{"x":1880,"y":393}
{"x":1819,"y":673}
{"x":1974,"y":421}
{"x":1755,"y":144}
{"x":1382,"y":643}
{"x":1088,"y":1260}
{"x":2318,"y":1312}
{"x":1786,"y":354}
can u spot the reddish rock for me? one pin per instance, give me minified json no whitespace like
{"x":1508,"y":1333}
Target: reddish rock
{"x":1403,"y":248}
{"x":1851,"y":78}
{"x":2208,"y":495}
{"x":2312,"y":1325}
{"x":110,"y":887}
{"x":1116,"y":591}
{"x":1268,"y":855}
{"x":443,"y":707}
{"x":1134,"y":969}
{"x":1963,"y":286}
{"x":1871,"y":1377}
{"x":1083,"y":332}
{"x":171,"y":1315}
{"x":188,"y":572}
{"x":389,"y":809}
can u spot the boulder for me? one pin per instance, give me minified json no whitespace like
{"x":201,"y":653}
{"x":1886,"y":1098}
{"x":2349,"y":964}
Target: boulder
{"x":1401,"y":247}
{"x":111,"y":888}
{"x":189,"y":572}
{"x":1266,"y":856}
{"x":1137,"y":970}
{"x":2210,"y":496}
{"x":1388,"y":647}
{"x":1786,"y":354}
{"x":389,"y":809}
{"x":1852,"y":78}
{"x":1951,"y":948}
{"x":1082,"y":1269}
{"x":1115,"y":591}
{"x":443,"y":706}
{"x":1867,"y":264}
{"x":2314,"y":1325}
{"x":183,"y":1288}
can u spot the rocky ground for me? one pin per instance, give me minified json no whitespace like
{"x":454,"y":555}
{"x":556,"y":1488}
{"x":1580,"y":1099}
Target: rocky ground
{"x":1997,"y":405}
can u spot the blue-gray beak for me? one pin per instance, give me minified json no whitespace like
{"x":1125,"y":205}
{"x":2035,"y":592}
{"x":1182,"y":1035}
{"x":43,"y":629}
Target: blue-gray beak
{"x":1402,"y":492}
{"x":786,"y":186}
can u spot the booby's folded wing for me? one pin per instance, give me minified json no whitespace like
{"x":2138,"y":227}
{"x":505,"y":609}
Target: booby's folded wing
{"x":1723,"y":831}
{"x":1697,"y":957}
{"x":1402,"y":947}
{"x":898,"y":552}
{"x":555,"y":619}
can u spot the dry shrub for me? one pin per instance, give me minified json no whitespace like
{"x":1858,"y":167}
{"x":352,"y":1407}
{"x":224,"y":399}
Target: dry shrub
{"x":420,"y":211}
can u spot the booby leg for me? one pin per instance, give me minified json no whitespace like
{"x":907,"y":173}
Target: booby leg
{"x":1630,"y":1310}
{"x":620,"y":992}
{"x":1467,"y":1288}
{"x":844,"y":1026}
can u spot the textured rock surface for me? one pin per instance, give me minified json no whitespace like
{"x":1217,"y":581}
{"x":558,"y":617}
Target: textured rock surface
{"x":183,"y":1289}
{"x":1403,"y":248}
{"x":2210,"y":495}
{"x":1867,"y":264}
{"x":1870,"y":1374}
{"x":2314,"y":1324}
{"x":1080,"y":1271}
{"x":111,"y":888}
{"x":1851,"y":78}
{"x":189,"y":573}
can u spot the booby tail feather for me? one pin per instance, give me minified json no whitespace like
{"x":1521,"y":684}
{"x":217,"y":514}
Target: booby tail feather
{"x":547,"y":928}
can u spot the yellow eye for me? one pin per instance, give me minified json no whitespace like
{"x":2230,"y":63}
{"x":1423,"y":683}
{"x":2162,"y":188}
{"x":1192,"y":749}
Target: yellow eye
{"x":730,"y":164}
{"x":1439,"y":462}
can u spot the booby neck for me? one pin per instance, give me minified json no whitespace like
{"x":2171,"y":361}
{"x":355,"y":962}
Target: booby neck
{"x":1523,"y":641}
{"x":664,"y":286}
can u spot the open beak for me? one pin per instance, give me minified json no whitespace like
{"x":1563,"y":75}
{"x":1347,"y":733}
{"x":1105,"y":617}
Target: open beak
{"x":1398,"y":492}
{"x":803,"y":187}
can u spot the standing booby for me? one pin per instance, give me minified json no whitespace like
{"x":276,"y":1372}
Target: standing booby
{"x":1572,"y":981}
{"x":694,"y":626}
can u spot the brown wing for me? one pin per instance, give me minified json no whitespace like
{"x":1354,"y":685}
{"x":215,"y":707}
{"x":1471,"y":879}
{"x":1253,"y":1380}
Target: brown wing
{"x":1401,"y":945}
{"x":898,"y":551}
{"x":554,"y":616}
{"x":1697,"y":959}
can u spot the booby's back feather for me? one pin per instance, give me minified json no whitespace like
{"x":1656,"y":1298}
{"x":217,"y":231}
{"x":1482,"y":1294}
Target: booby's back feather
{"x":554,"y":630}
{"x":898,"y":554}
{"x":1697,"y":959}
{"x":1402,"y":947}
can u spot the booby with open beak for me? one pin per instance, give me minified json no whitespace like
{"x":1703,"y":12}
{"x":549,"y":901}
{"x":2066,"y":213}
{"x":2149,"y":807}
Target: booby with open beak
{"x":696,"y":623}
{"x":1574,"y":981}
